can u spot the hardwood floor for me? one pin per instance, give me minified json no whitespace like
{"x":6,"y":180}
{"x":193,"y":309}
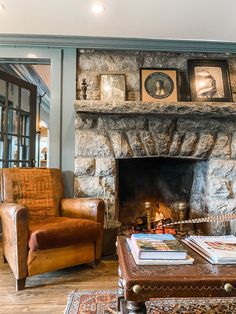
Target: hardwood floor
{"x":48,"y":293}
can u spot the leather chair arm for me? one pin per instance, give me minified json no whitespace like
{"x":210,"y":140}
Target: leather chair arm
{"x":15,"y":225}
{"x":88,"y":208}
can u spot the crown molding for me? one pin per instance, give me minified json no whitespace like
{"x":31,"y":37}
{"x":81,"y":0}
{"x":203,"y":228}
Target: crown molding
{"x":82,"y":42}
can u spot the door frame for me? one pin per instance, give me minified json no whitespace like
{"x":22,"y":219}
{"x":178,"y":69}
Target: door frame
{"x":63,"y":94}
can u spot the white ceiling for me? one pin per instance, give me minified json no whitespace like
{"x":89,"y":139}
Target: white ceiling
{"x":157,"y":19}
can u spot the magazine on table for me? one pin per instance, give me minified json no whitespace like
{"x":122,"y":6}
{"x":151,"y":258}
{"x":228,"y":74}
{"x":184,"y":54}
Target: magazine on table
{"x":157,"y":246}
{"x":216,"y":249}
{"x":138,"y":261}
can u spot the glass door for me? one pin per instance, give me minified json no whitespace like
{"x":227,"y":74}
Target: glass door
{"x":17,"y":122}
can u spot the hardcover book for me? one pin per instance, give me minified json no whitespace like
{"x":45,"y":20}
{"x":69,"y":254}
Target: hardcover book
{"x":188,"y":261}
{"x":216,"y":249}
{"x":157,"y":246}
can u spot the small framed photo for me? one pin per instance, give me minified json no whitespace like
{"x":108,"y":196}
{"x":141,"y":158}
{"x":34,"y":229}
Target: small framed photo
{"x":209,"y":80}
{"x":113,"y":87}
{"x":158,"y":84}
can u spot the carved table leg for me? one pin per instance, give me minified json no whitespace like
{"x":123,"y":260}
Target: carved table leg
{"x":120,"y":290}
{"x":136,"y":307}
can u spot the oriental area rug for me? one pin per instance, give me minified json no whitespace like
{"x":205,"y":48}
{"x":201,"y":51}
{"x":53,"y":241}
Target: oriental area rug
{"x":104,"y":302}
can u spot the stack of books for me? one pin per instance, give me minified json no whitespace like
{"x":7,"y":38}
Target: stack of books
{"x":216,"y":249}
{"x":158,"y":249}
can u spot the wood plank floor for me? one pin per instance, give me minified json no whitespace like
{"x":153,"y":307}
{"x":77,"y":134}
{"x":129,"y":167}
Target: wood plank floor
{"x":48,"y":293}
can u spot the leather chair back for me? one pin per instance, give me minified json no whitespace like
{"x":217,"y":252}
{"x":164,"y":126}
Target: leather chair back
{"x":40,"y":189}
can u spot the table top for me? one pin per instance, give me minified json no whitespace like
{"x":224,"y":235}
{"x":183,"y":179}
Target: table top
{"x":199,"y":279}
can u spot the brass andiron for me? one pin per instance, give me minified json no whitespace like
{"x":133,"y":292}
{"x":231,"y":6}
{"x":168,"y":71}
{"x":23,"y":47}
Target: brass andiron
{"x":147,"y":206}
{"x":181,"y":206}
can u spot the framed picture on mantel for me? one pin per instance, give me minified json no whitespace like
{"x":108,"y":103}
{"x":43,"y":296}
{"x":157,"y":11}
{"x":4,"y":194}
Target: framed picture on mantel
{"x":209,"y":80}
{"x":158,"y":84}
{"x":112,"y":87}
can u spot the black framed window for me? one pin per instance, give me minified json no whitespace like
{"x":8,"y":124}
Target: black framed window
{"x":17,"y":121}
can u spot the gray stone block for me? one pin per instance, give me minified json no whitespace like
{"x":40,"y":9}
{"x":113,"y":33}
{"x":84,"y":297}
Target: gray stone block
{"x":222,"y":169}
{"x":204,"y":145}
{"x":88,"y":187}
{"x":119,"y":123}
{"x":136,"y":143}
{"x":162,"y":141}
{"x":84,"y":121}
{"x":221,"y":148}
{"x":219,"y":188}
{"x":233,"y":146}
{"x":108,"y":186}
{"x":157,"y":125}
{"x":84,"y":166}
{"x":175,"y":144}
{"x":92,"y":144}
{"x":188,"y":144}
{"x":149,"y":143}
{"x":105,"y":167}
{"x":120,"y":144}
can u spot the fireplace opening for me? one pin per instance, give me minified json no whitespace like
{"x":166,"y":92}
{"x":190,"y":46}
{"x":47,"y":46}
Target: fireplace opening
{"x":161,"y":181}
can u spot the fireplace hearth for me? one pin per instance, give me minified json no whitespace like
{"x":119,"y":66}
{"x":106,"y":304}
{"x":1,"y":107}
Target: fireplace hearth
{"x":200,"y":136}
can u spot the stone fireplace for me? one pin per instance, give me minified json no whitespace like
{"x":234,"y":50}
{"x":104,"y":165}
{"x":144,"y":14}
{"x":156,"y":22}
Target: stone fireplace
{"x":204,"y":134}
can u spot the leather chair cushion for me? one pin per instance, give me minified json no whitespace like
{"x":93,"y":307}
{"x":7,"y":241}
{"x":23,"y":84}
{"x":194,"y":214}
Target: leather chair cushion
{"x":61,"y":231}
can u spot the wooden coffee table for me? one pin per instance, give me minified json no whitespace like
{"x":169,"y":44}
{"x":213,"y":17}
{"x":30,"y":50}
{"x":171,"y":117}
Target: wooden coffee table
{"x":138,"y":284}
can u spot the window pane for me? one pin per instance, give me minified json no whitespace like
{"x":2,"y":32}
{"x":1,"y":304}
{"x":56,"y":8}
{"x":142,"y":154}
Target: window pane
{"x":12,"y":121}
{"x":12,"y":147}
{"x":1,"y":149}
{"x":27,"y":148}
{"x":13,"y":96}
{"x":23,"y":164}
{"x":27,"y":125}
{"x":24,"y":149}
{"x":22,"y":124}
{"x":2,"y":92}
{"x":1,"y":118}
{"x":25,"y":100}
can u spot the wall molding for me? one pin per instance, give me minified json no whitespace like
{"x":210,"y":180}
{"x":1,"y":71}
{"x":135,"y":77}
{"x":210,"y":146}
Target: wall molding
{"x":90,"y":42}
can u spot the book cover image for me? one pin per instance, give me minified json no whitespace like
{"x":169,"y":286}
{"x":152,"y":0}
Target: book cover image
{"x":149,"y":245}
{"x":158,"y":245}
{"x":223,"y":246}
{"x":157,"y":242}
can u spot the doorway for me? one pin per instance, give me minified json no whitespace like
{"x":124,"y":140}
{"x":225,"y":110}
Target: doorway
{"x":17,"y":121}
{"x":39,"y":76}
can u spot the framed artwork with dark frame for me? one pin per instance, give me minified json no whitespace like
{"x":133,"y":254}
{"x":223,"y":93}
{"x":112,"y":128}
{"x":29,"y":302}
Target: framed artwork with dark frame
{"x":157,"y":84}
{"x":112,"y":87}
{"x":209,"y":80}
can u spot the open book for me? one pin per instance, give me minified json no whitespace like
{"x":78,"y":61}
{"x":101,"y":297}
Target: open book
{"x":216,"y":249}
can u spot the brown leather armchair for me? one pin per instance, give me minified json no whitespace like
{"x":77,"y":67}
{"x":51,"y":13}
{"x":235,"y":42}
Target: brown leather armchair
{"x":42,"y":231}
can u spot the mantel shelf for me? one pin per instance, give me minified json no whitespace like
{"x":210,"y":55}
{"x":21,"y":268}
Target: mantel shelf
{"x":206,"y":109}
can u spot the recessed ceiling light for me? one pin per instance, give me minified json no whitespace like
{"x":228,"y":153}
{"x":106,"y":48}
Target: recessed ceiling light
{"x":97,"y":8}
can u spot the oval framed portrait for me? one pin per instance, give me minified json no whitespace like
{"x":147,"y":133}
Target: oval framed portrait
{"x":158,"y":84}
